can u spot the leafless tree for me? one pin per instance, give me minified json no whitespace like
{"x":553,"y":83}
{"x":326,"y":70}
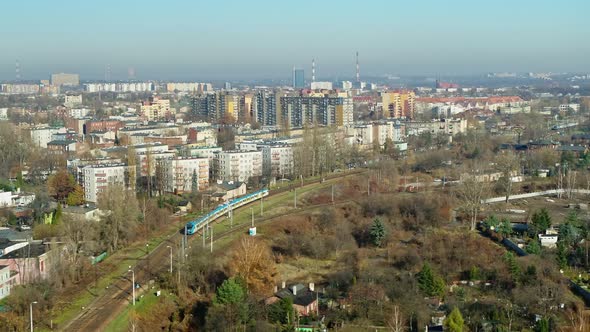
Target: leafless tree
{"x":471,"y":194}
{"x":396,"y":320}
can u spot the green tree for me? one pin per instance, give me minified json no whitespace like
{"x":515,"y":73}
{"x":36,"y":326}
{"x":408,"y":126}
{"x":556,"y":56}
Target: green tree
{"x":505,"y":228}
{"x":513,"y":266}
{"x":429,"y":282}
{"x":534,"y":247}
{"x":562,"y":253}
{"x":57,"y":215}
{"x":194,"y":182}
{"x":230,"y":292}
{"x":474,"y":273}
{"x":540,"y":221}
{"x":542,"y":325}
{"x":491,"y":222}
{"x":377,"y":232}
{"x":282,"y":312}
{"x":454,"y":322}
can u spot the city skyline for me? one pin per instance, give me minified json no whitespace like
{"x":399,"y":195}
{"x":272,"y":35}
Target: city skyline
{"x":230,"y":40}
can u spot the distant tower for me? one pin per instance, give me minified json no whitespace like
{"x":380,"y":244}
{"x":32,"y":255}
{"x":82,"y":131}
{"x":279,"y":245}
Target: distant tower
{"x":131,"y":73}
{"x":358,"y":70}
{"x":313,"y":70}
{"x":107,"y":72}
{"x":17,"y":70}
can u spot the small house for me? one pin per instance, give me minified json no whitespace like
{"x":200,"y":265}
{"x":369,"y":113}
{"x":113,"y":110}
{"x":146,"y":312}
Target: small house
{"x":305,"y":298}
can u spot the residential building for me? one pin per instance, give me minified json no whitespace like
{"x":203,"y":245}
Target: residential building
{"x":277,"y":160}
{"x":321,"y":85}
{"x":226,"y":190}
{"x":201,"y":151}
{"x":238,"y":165}
{"x":65,"y":79}
{"x":326,"y":111}
{"x":41,"y":136}
{"x":304,"y":299}
{"x":29,"y":261}
{"x":7,"y":280}
{"x":346,"y":85}
{"x":398,"y":104}
{"x":156,"y":109}
{"x":98,"y":177}
{"x":73,"y":100}
{"x":120,"y":87}
{"x":61,"y":147}
{"x":181,"y":173}
{"x":449,"y":127}
{"x":298,"y":78}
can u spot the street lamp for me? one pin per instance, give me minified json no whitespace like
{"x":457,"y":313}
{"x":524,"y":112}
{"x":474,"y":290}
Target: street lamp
{"x":252,"y":212}
{"x":132,"y":283}
{"x":169,"y":247}
{"x":31,"y":311}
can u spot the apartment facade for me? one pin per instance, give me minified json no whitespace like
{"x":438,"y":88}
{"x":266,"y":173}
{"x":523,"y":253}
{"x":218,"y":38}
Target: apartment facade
{"x":238,"y":165}
{"x":182,"y":172}
{"x":299,"y":111}
{"x":98,"y":177}
{"x":277,"y":160}
{"x":398,"y":104}
{"x":156,"y":109}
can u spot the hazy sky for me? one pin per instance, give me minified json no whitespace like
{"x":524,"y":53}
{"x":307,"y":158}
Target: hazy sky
{"x":222,"y":39}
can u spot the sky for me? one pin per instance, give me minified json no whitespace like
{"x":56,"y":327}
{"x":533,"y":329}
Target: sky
{"x":260,"y":39}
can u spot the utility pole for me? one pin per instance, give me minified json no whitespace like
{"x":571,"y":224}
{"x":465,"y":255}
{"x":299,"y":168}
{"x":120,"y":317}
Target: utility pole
{"x":295,"y":198}
{"x":332,"y":194}
{"x":204,"y":229}
{"x":231,"y":217}
{"x":252,"y":212}
{"x":261,"y":206}
{"x":211,"y":230}
{"x":132,"y":283}
{"x":169,"y":247}
{"x":368,"y":186}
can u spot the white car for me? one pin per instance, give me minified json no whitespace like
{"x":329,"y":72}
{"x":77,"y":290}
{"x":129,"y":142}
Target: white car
{"x":24,"y":227}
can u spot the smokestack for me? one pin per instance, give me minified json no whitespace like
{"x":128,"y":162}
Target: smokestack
{"x":358,"y":71}
{"x":313,"y":70}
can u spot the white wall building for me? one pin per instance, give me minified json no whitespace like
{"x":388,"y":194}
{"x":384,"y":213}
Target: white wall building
{"x":98,"y":177}
{"x":238,"y":165}
{"x":41,"y":136}
{"x":277,"y":160}
{"x":73,"y":100}
{"x":321,"y":85}
{"x":179,"y":173}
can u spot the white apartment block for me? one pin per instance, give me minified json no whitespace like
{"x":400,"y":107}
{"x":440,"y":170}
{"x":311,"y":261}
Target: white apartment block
{"x":98,"y":177}
{"x":449,"y":127}
{"x":203,"y":151}
{"x":41,"y":136}
{"x":148,"y":161}
{"x":120,"y":87}
{"x":180,"y":171}
{"x":277,"y":160}
{"x":238,"y":165}
{"x":78,"y":113}
{"x":73,"y":100}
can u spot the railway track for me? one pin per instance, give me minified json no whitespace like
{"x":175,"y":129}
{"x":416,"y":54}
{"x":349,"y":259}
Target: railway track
{"x":97,"y":315}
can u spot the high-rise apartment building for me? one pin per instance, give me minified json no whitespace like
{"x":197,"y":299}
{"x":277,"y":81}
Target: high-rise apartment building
{"x":398,"y":104}
{"x":65,"y":79}
{"x":299,"y":111}
{"x":180,"y":173}
{"x":98,"y":177}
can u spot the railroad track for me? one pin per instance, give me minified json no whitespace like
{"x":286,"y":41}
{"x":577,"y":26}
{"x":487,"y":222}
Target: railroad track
{"x":97,"y":315}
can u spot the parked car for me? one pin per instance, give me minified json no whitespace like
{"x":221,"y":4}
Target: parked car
{"x":24,"y":227}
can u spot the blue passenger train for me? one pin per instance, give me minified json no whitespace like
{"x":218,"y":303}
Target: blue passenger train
{"x":195,"y":225}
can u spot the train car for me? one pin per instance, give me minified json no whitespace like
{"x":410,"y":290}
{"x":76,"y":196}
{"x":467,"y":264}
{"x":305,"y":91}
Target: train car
{"x":195,"y":225}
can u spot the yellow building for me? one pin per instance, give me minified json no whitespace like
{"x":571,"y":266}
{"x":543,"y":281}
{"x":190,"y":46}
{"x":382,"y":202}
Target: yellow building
{"x":156,"y":109}
{"x":398,"y":104}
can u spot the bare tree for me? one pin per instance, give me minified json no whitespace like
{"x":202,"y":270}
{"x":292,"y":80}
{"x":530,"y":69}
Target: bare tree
{"x":471,"y":194}
{"x":396,"y":320}
{"x":508,"y":164}
{"x":120,"y":214}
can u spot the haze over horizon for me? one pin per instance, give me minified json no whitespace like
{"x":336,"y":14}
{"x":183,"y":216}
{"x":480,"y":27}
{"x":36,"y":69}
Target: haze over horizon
{"x":180,"y":40}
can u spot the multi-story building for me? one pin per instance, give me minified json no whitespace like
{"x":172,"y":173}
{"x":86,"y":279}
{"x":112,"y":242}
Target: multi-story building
{"x":267,"y":107}
{"x":202,"y":151}
{"x":298,"y":78}
{"x":450,"y":127}
{"x":398,"y":104}
{"x":238,"y":165}
{"x":326,"y":111}
{"x":73,"y":100}
{"x":188,"y":87}
{"x":156,"y":109}
{"x":277,"y":160}
{"x":7,"y":279}
{"x":65,"y":79}
{"x":321,"y":85}
{"x":180,"y":173}
{"x":28,"y":262}
{"x":41,"y":136}
{"x":19,"y":88}
{"x":98,"y":177}
{"x":120,"y":87}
